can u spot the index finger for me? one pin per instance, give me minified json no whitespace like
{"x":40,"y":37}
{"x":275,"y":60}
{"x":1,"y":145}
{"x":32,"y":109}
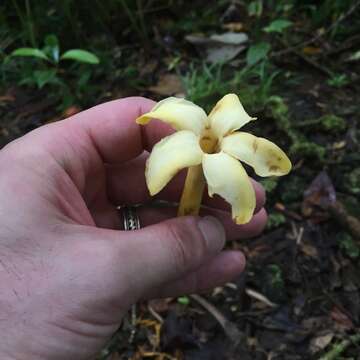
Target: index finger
{"x":112,"y":129}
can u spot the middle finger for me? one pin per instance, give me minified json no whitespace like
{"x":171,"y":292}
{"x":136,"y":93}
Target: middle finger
{"x":126,"y":185}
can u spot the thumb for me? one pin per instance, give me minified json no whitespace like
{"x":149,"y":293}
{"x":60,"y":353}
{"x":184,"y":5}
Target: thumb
{"x":166,"y":251}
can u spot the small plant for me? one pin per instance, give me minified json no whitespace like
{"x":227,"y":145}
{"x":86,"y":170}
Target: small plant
{"x":276,"y":275}
{"x":273,"y":284}
{"x":338,"y":80}
{"x":257,"y":52}
{"x":254,"y":84}
{"x":205,"y":84}
{"x":136,"y":18}
{"x":44,"y":67}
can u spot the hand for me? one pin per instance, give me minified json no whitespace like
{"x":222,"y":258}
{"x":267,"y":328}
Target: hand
{"x":67,"y":272}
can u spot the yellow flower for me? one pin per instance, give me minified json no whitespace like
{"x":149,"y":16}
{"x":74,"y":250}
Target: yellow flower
{"x":211,"y":147}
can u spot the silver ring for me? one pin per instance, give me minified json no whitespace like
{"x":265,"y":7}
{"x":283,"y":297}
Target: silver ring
{"x":130,"y":217}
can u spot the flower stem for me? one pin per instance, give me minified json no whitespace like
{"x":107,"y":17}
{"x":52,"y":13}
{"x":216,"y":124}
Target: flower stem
{"x":191,"y":197}
{"x":194,"y":186}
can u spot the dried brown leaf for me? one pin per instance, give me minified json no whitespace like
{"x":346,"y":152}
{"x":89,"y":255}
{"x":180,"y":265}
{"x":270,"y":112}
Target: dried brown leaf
{"x":168,"y":84}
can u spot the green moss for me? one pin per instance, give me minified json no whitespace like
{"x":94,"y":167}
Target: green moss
{"x":308,"y":150}
{"x":351,"y":203}
{"x":280,"y":112}
{"x":348,"y":245}
{"x":269,"y":184}
{"x":352,"y":181}
{"x":332,"y":123}
{"x":277,"y":106}
{"x":292,"y":189}
{"x":275,"y":219}
{"x":329,"y":123}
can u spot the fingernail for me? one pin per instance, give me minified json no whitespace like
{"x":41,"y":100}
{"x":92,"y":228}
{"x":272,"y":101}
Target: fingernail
{"x":213,"y":232}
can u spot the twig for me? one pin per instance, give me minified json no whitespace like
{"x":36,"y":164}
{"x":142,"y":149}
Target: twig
{"x":347,"y":45}
{"x":337,"y":303}
{"x":260,"y":297}
{"x":313,"y":63}
{"x":230,"y":329}
{"x":319,"y":36}
{"x":341,"y":347}
{"x":349,"y":222}
{"x":133,"y":323}
{"x":281,"y":207}
{"x":155,"y":314}
{"x":297,"y":234}
{"x":309,"y":61}
{"x":151,"y":354}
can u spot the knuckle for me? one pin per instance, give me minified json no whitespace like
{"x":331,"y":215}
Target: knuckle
{"x":180,"y":251}
{"x":260,"y":224}
{"x":188,"y":246}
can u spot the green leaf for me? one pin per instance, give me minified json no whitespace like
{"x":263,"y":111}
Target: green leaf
{"x":31,"y":52}
{"x":338,"y":80}
{"x":269,"y":184}
{"x":84,"y":78}
{"x":278,"y":26}
{"x":275,"y":219}
{"x":355,"y":56}
{"x":80,"y":56}
{"x":183,"y":300}
{"x":51,"y":40}
{"x":255,"y":8}
{"x":257,"y":52}
{"x":44,"y":77}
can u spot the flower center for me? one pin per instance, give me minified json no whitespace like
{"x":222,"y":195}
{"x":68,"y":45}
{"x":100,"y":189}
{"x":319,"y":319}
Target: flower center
{"x":208,"y":142}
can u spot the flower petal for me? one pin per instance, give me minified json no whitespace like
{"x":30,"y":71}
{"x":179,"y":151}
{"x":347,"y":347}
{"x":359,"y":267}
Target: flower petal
{"x":170,"y":155}
{"x":181,"y":114}
{"x":228,"y":115}
{"x":227,"y":177}
{"x":265,"y":157}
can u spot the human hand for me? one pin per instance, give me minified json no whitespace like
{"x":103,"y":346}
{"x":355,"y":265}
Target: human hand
{"x":67,"y":271}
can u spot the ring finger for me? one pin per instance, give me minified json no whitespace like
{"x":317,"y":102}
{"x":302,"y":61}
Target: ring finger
{"x":110,"y":217}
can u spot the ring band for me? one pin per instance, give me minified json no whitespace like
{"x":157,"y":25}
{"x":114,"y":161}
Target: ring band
{"x":131,"y":222}
{"x":131,"y":219}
